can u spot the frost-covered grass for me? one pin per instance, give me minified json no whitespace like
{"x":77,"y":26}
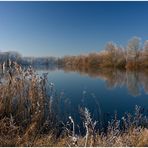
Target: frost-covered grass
{"x":28,"y":105}
{"x":129,"y":131}
{"x":25,"y":100}
{"x":115,"y":136}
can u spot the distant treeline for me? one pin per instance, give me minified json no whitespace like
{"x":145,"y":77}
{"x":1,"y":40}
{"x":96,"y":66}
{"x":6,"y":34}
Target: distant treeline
{"x":113,"y":56}
{"x":5,"y":57}
{"x":133,"y":56}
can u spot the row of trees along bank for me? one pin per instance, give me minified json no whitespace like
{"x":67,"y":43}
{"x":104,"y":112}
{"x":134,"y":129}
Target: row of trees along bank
{"x":113,"y":56}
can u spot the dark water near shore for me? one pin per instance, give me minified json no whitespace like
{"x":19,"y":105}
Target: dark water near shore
{"x":102,"y":92}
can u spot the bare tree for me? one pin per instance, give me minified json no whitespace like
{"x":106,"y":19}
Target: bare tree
{"x":146,"y":48}
{"x":144,"y":54}
{"x":133,"y":49}
{"x":112,"y":51}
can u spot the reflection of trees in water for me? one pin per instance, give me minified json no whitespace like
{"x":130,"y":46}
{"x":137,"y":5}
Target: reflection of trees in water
{"x":45,"y":67}
{"x":114,"y":78}
{"x":143,"y":77}
{"x":133,"y":83}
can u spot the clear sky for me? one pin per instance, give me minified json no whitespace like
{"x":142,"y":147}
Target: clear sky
{"x":69,"y":28}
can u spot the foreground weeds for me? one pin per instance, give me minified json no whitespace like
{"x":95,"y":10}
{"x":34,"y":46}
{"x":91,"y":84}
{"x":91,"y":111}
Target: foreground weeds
{"x":25,"y":107}
{"x":127,"y":132}
{"x":28,"y":117}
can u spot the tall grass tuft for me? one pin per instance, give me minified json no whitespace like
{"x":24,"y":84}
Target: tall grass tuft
{"x":26,"y":99}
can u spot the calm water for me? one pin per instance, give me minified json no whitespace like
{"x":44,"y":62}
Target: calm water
{"x":101,"y":92}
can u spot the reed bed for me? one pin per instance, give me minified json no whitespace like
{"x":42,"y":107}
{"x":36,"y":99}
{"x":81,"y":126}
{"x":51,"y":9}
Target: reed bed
{"x":28,"y":117}
{"x":25,"y":107}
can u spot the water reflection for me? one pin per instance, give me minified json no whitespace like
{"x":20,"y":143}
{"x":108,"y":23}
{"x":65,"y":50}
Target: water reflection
{"x":134,"y":81}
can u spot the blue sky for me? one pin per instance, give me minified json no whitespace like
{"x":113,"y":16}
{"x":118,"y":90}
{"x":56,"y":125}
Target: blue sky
{"x":69,"y":28}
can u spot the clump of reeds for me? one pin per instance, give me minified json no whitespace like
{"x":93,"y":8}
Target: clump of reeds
{"x":9,"y":132}
{"x":27,"y":99}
